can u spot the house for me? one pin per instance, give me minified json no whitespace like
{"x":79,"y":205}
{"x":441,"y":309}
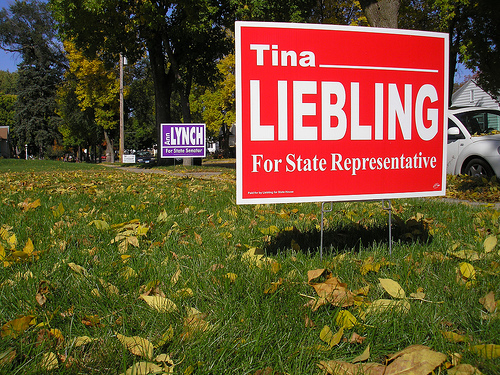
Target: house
{"x":4,"y":141}
{"x":471,"y":95}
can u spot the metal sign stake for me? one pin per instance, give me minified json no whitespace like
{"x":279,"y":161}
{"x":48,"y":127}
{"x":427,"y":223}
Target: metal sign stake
{"x":322,"y":226}
{"x":389,"y":209}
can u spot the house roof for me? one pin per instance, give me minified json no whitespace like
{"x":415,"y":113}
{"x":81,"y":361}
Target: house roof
{"x":467,"y":86}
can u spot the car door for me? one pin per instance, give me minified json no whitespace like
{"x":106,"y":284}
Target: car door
{"x":456,"y":142}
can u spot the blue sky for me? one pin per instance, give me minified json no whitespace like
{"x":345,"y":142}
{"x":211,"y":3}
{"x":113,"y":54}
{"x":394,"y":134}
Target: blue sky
{"x":8,"y":61}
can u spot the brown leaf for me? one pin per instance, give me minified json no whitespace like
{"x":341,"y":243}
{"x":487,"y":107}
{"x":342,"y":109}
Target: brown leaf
{"x":414,"y":360}
{"x":7,"y":356}
{"x":357,"y":339}
{"x":346,"y":368}
{"x":488,"y":301}
{"x":464,"y":369}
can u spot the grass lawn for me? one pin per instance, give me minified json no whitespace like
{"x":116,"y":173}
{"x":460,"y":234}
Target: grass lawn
{"x":107,"y":271}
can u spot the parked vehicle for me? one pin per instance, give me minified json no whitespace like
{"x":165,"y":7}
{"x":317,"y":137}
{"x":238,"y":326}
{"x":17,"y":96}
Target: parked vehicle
{"x":144,"y":157}
{"x":474,"y":142}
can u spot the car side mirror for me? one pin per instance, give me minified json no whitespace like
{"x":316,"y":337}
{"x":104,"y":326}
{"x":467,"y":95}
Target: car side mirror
{"x":454,"y":131}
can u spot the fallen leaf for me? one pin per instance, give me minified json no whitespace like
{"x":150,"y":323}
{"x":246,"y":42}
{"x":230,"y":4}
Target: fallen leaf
{"x":464,"y":369}
{"x":466,"y":274}
{"x":144,"y":368}
{"x":331,"y":338}
{"x":415,"y":359}
{"x":78,"y":269}
{"x":17,"y":326}
{"x":488,"y":351}
{"x":100,"y":224}
{"x":159,"y":303}
{"x":385,"y":305}
{"x":363,"y":356}
{"x":490,"y":243}
{"x":82,"y":340}
{"x":393,"y":288}
{"x":346,"y":368}
{"x":49,"y":361}
{"x":7,"y":356}
{"x":137,"y":345}
{"x":454,"y":337}
{"x":488,"y":301}
{"x":345,"y":319}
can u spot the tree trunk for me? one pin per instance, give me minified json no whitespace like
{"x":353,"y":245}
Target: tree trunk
{"x":162,"y":88}
{"x":381,"y":13}
{"x":110,"y":152}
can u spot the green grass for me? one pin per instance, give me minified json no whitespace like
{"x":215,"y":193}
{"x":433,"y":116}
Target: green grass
{"x":195,"y":227}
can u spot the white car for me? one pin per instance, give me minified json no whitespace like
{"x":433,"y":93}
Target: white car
{"x":474,"y":142}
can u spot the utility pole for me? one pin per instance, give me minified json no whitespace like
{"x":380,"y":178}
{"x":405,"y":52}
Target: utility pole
{"x":122,"y":132}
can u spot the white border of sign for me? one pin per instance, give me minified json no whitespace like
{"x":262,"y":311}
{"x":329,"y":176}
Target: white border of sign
{"x":362,"y":197}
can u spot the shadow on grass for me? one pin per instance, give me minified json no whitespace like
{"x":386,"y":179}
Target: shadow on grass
{"x":351,"y":236}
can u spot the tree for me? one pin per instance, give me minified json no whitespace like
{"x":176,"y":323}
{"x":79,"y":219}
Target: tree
{"x":140,"y":129}
{"x":96,"y":90}
{"x":381,"y":13}
{"x":28,"y":28}
{"x":183,"y":40}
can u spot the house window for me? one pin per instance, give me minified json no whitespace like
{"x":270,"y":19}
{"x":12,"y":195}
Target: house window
{"x":471,"y":96}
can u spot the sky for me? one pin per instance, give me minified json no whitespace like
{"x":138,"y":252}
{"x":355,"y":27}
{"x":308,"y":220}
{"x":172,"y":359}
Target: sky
{"x":9,"y":60}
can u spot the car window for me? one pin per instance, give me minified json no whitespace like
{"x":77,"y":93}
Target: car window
{"x":493,"y":122}
{"x":480,"y":122}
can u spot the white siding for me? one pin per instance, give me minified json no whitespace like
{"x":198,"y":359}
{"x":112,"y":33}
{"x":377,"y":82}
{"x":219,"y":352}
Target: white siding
{"x":471,"y":95}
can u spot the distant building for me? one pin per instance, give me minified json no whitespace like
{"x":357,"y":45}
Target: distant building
{"x":471,"y":95}
{"x":4,"y":142}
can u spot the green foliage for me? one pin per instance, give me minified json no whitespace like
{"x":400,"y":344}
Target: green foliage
{"x":8,"y":82}
{"x":28,"y":28}
{"x":7,"y":109}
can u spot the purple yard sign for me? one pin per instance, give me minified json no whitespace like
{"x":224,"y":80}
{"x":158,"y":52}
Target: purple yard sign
{"x":183,"y":141}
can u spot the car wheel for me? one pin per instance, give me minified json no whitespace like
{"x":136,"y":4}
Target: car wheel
{"x":478,"y":168}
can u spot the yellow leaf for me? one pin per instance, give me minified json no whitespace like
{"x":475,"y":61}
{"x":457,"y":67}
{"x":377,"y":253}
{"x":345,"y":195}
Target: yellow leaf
{"x":100,"y":224}
{"x":384,"y":305}
{"x":128,"y":272}
{"x":467,"y":270}
{"x":82,"y":340}
{"x":454,"y":337}
{"x":490,"y":243}
{"x":49,"y":361}
{"x":346,"y":368}
{"x":231,"y":276}
{"x":17,"y":326}
{"x":198,"y":238}
{"x":175,"y":277}
{"x":12,"y":241}
{"x":78,"y":269}
{"x":346,"y":320}
{"x":133,"y":240}
{"x":415,"y":359}
{"x":166,"y":337}
{"x":363,"y":356}
{"x":57,"y":334}
{"x":159,"y":303}
{"x":137,"y":345}
{"x":28,"y":248}
{"x":144,"y":368}
{"x":183,"y":293}
{"x":331,"y":338}
{"x":393,"y":288}
{"x":162,"y":217}
{"x":488,"y":351}
{"x":59,"y":211}
{"x":464,"y":369}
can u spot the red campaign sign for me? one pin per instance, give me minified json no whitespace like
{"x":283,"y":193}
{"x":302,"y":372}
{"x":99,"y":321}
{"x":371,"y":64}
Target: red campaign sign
{"x":339,"y":113}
